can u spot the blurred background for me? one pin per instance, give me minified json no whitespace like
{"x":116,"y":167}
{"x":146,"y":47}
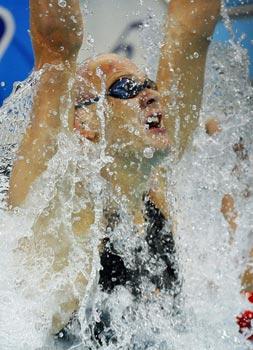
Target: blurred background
{"x":111,"y":25}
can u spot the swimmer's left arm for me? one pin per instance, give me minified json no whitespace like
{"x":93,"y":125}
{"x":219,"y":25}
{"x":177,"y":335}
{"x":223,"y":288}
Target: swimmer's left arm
{"x":181,"y":68}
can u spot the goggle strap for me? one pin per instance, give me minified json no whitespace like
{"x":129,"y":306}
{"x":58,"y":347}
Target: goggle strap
{"x":88,"y":102}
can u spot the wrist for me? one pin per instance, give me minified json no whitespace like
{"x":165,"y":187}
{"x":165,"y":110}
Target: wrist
{"x":198,"y":17}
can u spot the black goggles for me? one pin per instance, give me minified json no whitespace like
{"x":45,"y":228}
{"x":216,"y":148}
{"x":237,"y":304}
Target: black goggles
{"x":124,"y":88}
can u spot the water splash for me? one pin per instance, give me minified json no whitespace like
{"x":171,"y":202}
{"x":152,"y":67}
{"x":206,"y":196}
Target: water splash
{"x":211,"y":263}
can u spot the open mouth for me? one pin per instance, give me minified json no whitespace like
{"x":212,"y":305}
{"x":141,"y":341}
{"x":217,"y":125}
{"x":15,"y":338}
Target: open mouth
{"x":154,"y":121}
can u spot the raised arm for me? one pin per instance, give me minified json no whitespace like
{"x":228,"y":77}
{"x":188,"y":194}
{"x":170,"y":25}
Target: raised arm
{"x":188,"y":28}
{"x":57,"y":33}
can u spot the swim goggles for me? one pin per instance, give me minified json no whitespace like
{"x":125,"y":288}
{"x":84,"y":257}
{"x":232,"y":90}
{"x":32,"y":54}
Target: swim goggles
{"x":124,"y":88}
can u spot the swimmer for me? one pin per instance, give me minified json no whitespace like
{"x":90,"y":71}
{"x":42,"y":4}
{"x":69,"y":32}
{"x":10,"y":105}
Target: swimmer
{"x":153,"y":109}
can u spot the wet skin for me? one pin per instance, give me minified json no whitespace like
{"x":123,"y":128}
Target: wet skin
{"x":126,"y":126}
{"x":188,"y":26}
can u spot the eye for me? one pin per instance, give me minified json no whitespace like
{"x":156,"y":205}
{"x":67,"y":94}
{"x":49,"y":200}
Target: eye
{"x":129,"y":85}
{"x":124,"y":88}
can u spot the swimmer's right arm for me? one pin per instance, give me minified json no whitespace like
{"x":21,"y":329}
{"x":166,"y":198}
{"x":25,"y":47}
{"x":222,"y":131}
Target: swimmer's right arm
{"x":57,"y":34}
{"x":180,"y":77}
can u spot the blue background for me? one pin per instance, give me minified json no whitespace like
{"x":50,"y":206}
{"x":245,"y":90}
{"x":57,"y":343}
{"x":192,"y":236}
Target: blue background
{"x":240,"y":26}
{"x":17,"y":61}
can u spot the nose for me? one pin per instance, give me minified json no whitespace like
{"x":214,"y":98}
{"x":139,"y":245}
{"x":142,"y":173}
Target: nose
{"x":149,"y":97}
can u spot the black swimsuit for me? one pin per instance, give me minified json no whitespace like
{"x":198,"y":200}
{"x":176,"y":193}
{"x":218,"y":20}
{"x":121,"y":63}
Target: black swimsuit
{"x":161,"y":248}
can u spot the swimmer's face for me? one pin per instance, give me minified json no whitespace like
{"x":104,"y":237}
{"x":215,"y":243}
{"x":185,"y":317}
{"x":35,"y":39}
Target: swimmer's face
{"x":129,"y":102}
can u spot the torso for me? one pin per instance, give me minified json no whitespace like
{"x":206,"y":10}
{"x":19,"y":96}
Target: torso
{"x":153,"y":259}
{"x":158,"y":240}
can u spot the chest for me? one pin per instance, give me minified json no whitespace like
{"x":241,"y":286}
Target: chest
{"x":136,"y":255}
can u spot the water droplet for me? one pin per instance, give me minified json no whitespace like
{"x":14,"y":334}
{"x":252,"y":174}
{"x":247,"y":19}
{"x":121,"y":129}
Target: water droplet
{"x":131,"y":129}
{"x":90,"y":40}
{"x":73,"y":19}
{"x":148,"y":152}
{"x":196,"y":54}
{"x":62,"y":3}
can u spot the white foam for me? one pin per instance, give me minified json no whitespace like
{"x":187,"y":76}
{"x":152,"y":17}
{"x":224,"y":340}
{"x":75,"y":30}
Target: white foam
{"x":210,"y":265}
